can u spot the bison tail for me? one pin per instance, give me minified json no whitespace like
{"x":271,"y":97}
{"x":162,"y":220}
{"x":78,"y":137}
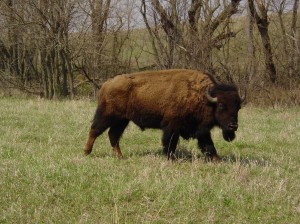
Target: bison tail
{"x":97,"y":117}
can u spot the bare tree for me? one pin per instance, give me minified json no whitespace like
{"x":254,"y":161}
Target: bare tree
{"x":293,"y":36}
{"x":17,"y":59}
{"x":38,"y":36}
{"x":60,"y":48}
{"x":259,"y":12}
{"x":191,"y":30}
{"x":294,"y":71}
{"x":110,"y":30}
{"x":53,"y":45}
{"x":251,"y":47}
{"x":286,"y":55}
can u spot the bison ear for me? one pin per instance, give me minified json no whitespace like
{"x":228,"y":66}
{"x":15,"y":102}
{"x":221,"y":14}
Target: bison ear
{"x":209,"y":97}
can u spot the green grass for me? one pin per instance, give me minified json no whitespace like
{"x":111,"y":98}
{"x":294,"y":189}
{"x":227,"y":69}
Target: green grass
{"x":44,"y":177}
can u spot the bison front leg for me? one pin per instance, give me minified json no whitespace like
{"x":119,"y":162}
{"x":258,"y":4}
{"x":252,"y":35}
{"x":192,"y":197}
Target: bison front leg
{"x":169,"y":141}
{"x":207,"y":147}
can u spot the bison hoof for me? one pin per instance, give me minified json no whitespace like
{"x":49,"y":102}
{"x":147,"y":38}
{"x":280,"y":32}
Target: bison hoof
{"x":118,"y":152}
{"x":87,"y":152}
{"x":119,"y":156}
{"x":214,"y":159}
{"x":217,"y":159}
{"x":171,"y":156}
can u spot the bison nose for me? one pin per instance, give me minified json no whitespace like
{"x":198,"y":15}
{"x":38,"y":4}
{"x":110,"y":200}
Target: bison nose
{"x":233,"y":126}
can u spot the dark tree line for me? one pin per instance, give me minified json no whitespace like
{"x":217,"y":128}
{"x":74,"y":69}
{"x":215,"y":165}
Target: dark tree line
{"x":55,"y":47}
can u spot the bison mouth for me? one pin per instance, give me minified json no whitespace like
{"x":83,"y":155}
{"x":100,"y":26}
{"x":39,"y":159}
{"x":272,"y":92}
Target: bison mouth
{"x":229,"y":131}
{"x":228,"y":135}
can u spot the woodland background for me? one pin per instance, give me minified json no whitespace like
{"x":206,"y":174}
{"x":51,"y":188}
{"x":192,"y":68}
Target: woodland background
{"x":66,"y":48}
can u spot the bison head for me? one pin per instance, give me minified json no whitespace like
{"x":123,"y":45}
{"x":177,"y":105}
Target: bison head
{"x":227,"y":103}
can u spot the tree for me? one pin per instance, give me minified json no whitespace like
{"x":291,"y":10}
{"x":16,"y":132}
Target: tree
{"x":251,"y":47}
{"x":289,"y":50}
{"x":103,"y":44}
{"x":295,"y":59}
{"x":185,"y":34}
{"x":60,"y":48}
{"x":262,"y":22}
{"x":38,"y":40}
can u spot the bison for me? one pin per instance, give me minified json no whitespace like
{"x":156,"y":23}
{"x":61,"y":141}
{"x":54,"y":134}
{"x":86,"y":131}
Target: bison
{"x":181,"y":102}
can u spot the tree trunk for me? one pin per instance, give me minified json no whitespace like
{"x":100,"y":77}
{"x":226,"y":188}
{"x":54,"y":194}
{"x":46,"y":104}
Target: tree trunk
{"x":69,"y":73}
{"x":262,"y":23}
{"x":251,"y":48}
{"x":44,"y":74}
{"x":294,"y":68}
{"x":270,"y":66}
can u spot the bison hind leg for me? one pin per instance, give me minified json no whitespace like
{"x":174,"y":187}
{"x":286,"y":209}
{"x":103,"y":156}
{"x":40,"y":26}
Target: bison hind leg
{"x":115,"y":132}
{"x":99,"y":125}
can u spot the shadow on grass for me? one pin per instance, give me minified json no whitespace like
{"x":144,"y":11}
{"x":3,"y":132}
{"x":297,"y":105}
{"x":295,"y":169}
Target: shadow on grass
{"x":246,"y":160}
{"x":182,"y":154}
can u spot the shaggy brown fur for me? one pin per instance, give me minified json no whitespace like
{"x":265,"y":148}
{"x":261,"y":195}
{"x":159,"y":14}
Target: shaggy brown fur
{"x":172,"y":100}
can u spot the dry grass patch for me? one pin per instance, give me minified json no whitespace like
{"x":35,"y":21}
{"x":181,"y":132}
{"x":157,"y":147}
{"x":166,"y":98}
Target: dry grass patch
{"x":45,"y":178}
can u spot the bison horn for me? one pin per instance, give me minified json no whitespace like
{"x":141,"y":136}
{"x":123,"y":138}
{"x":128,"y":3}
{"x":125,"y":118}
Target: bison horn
{"x":210,"y":98}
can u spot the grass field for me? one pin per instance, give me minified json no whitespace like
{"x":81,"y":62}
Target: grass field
{"x":44,"y":177}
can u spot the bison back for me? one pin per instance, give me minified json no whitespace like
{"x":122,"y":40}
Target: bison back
{"x":147,"y":98}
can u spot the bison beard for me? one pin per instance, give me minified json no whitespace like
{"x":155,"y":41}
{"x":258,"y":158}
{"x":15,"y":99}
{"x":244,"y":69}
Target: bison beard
{"x":181,"y":102}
